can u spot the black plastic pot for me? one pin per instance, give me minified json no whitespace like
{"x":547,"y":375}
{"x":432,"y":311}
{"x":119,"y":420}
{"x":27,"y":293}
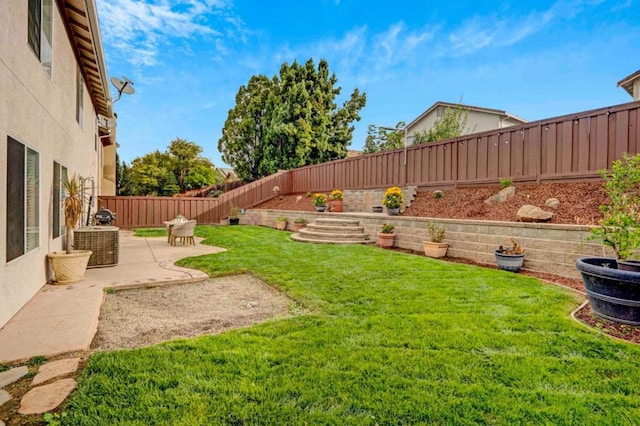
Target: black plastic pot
{"x":629,"y":265}
{"x":234,"y":220}
{"x":614,"y":294}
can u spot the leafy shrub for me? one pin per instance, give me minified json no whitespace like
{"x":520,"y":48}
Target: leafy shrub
{"x":387,"y":228}
{"x":436,"y":233}
{"x":505,"y":183}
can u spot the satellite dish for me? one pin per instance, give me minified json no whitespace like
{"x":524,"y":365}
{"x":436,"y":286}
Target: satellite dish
{"x":123,"y":85}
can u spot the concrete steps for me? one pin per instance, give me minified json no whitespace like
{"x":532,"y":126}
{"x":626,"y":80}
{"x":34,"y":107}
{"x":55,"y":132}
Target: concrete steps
{"x":333,"y":231}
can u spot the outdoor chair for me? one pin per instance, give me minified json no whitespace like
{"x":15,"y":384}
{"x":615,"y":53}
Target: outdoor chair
{"x":183,"y":231}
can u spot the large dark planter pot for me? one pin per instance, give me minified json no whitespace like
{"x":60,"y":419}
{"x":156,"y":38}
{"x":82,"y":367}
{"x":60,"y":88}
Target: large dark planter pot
{"x":319,"y":208}
{"x":234,"y":220}
{"x":613,"y":293}
{"x":509,"y":262}
{"x":393,"y":212}
{"x":629,"y":265}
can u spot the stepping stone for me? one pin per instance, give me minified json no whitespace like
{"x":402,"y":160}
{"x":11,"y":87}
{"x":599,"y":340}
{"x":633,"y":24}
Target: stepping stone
{"x":54,"y":369}
{"x":46,"y":398}
{"x":13,"y":375}
{"x":4,"y":397}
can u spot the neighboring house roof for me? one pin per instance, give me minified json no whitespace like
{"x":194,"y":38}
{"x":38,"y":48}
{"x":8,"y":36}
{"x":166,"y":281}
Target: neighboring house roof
{"x":227,"y":173}
{"x":466,"y":107}
{"x":81,"y":21}
{"x":627,"y":82}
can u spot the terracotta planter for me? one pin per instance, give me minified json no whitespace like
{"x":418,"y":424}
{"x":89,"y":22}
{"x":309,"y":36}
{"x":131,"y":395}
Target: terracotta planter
{"x":385,"y":240}
{"x":298,"y":226}
{"x":69,"y":268}
{"x":336,"y":206}
{"x":281,"y":225}
{"x":435,"y":250}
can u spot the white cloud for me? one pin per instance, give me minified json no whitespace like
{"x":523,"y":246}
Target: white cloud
{"x":498,"y":30}
{"x":141,"y":27}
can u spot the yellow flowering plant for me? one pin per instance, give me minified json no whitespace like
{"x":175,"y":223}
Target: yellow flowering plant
{"x":393,"y":198}
{"x":319,"y":199}
{"x":336,"y":195}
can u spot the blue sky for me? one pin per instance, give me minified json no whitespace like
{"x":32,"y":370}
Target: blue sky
{"x":536,"y":60}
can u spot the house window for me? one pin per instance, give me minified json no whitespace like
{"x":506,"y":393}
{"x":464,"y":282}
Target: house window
{"x":23,"y":210}
{"x":40,"y":29}
{"x":79,"y":97}
{"x":59,"y":174}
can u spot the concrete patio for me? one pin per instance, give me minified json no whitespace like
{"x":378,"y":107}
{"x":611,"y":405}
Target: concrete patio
{"x":64,"y":318}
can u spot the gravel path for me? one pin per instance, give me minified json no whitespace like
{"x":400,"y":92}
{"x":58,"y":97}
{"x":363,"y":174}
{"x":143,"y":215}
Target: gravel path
{"x":146,"y":316}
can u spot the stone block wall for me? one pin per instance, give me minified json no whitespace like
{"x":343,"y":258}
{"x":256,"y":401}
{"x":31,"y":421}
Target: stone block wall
{"x":363,"y":200}
{"x":548,"y":248}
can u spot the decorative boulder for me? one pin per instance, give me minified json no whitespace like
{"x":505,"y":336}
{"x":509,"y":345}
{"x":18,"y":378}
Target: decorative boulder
{"x":552,"y":203}
{"x":530,"y":213}
{"x":502,"y":196}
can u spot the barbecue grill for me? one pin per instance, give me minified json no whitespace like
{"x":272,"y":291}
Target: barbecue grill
{"x":104,"y":217}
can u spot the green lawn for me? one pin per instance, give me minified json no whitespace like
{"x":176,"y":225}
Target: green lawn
{"x":391,"y":339}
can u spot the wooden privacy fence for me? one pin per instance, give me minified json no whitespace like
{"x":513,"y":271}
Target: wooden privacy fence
{"x":132,"y":212}
{"x":569,"y":147}
{"x":573,"y":146}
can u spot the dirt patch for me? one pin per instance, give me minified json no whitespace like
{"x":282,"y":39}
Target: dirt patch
{"x":579,"y":202}
{"x":146,"y":316}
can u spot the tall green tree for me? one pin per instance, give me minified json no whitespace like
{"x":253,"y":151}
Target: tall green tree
{"x":183,"y":157}
{"x":289,"y":121}
{"x":383,"y":139}
{"x":124,"y":178}
{"x":242,"y":139}
{"x":180,"y":168}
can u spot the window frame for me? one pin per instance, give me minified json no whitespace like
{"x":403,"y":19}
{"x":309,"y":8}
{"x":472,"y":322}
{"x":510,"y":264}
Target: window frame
{"x":60,"y":172}
{"x":23,"y":200}
{"x":40,"y":31}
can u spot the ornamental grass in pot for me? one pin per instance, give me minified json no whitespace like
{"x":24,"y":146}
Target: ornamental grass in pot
{"x":70,"y":265}
{"x":281,"y":223}
{"x":299,"y":223}
{"x":435,"y":247}
{"x":510,"y":258}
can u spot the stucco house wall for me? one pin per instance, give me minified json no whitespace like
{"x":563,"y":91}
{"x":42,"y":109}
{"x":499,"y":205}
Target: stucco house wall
{"x":39,"y":111}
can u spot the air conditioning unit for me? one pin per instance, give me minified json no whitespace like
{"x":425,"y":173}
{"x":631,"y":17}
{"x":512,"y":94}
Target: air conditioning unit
{"x":102,"y":241}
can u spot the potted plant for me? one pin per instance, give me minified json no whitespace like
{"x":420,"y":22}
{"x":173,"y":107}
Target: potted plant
{"x":510,"y":258}
{"x":393,"y":200}
{"x":319,"y":200}
{"x":613,"y":286}
{"x":435,"y":247}
{"x":386,"y":235}
{"x":233,"y":215}
{"x":70,"y":265}
{"x":299,"y":223}
{"x":335,"y":201}
{"x":281,"y":223}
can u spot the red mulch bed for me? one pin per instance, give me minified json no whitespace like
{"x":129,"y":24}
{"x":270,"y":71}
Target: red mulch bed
{"x":579,"y":203}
